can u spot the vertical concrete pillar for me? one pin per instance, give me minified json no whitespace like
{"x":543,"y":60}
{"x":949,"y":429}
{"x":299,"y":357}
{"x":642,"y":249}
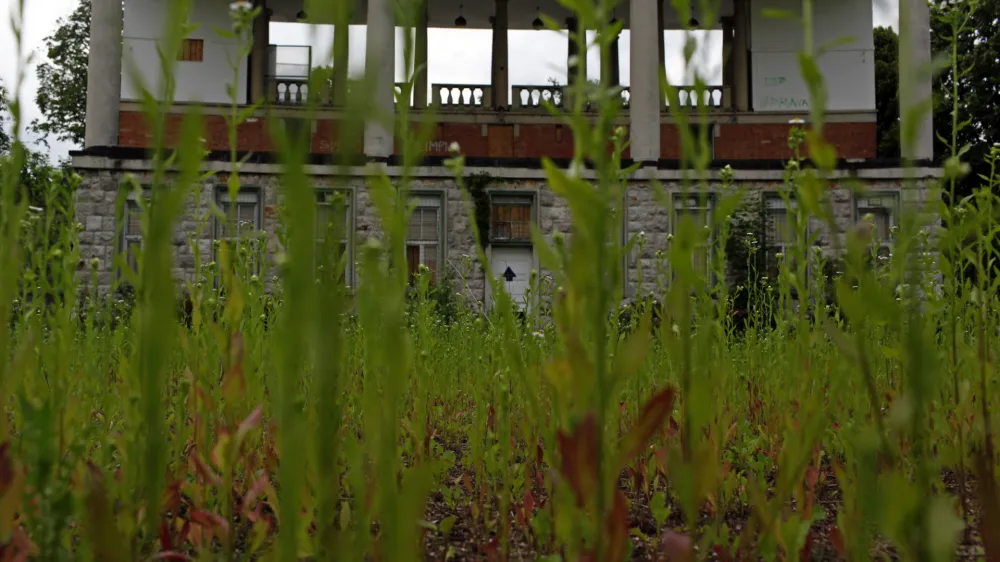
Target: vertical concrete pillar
{"x":644,"y":107}
{"x":420,"y":58}
{"x":501,"y":56}
{"x":259,"y":70}
{"x":576,"y":62}
{"x":741,"y":56}
{"x":917,"y":89}
{"x":104,"y":73}
{"x":380,"y":56}
{"x":661,"y":51}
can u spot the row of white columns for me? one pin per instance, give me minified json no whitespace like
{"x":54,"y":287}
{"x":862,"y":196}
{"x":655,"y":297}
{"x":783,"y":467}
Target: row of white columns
{"x":647,"y":68}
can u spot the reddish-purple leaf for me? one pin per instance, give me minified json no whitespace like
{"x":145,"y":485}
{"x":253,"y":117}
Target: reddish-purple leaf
{"x":251,"y":422}
{"x":207,"y":474}
{"x":653,"y":414}
{"x":99,"y":523}
{"x":210,"y":521}
{"x":616,"y":529}
{"x":989,"y":518}
{"x":579,"y":458}
{"x":676,"y":547}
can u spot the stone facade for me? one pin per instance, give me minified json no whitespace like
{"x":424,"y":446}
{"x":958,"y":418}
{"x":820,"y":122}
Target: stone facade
{"x":101,"y":236}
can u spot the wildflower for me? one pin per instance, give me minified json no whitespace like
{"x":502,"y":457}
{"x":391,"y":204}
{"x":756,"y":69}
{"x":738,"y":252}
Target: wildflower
{"x":454,"y":147}
{"x":726,"y":174}
{"x":241,"y":6}
{"x":780,"y":256}
{"x":538,"y":335}
{"x":254,"y":279}
{"x":670,"y":237}
{"x":34,"y":209}
{"x":95,"y":263}
{"x":675,"y":329}
{"x":796,"y":121}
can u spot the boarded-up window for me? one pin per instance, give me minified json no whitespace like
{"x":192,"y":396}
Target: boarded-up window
{"x":192,"y":50}
{"x":511,"y":219}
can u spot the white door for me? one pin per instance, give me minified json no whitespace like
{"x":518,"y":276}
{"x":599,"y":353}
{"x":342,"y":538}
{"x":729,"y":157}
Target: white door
{"x":512,"y":266}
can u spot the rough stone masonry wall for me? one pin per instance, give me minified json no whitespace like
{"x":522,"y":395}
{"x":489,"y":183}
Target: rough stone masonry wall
{"x":100,"y":238}
{"x":645,"y":214}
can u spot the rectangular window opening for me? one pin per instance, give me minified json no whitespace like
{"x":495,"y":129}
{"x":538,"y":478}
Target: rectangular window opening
{"x":192,"y":50}
{"x":510,"y":218}
{"x":699,"y":209}
{"x":424,"y":234}
{"x":333,"y":218}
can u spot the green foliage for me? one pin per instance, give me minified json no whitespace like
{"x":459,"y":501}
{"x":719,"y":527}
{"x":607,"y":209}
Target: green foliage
{"x":4,"y":120}
{"x":284,"y":418}
{"x":887,"y":92}
{"x":62,"y":78}
{"x":476,"y":185}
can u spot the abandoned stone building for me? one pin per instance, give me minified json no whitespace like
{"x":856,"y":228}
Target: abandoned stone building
{"x":502,"y":128}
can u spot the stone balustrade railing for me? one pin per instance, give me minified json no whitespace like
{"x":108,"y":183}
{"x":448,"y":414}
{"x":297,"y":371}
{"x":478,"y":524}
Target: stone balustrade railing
{"x":535,"y":97}
{"x":474,"y":97}
{"x":479,"y":96}
{"x":715,"y":97}
{"x":289,"y":91}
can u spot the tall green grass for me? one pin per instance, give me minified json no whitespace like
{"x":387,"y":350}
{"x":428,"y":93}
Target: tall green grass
{"x":299,"y":419}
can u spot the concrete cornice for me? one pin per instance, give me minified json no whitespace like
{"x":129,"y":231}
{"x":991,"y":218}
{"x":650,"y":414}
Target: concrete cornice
{"x":137,"y":165}
{"x":521,"y":116}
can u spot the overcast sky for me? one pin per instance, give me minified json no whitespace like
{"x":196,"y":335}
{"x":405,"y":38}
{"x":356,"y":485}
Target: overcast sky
{"x":455,"y":56}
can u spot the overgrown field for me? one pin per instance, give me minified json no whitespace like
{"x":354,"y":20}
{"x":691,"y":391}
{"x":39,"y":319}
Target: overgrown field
{"x":270,"y":412}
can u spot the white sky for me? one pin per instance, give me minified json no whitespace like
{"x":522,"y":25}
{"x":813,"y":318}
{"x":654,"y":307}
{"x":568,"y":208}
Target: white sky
{"x":454,"y":55}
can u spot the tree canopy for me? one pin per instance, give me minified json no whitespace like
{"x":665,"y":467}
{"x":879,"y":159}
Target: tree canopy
{"x":977,"y":54}
{"x":4,"y":121}
{"x":62,"y":79}
{"x":887,"y":92}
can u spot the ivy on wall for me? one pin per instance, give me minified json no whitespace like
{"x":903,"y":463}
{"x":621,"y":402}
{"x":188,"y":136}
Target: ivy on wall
{"x":476,"y":184}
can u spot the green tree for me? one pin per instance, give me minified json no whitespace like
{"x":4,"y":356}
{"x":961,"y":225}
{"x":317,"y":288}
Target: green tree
{"x":62,"y":79}
{"x":978,"y":51}
{"x":5,"y":121}
{"x":887,"y":92}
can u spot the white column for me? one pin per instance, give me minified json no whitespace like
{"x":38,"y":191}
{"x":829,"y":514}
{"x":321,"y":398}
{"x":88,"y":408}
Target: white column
{"x":915,"y":52}
{"x":661,"y":49}
{"x":501,"y":55}
{"x":104,"y":73}
{"x":380,"y":67}
{"x":740,"y":56}
{"x":644,"y":105}
{"x":420,"y":58}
